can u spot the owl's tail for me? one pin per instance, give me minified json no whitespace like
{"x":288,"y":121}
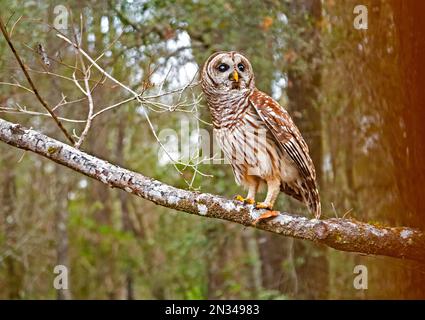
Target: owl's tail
{"x":311,"y":198}
{"x":313,"y":203}
{"x":305,"y":192}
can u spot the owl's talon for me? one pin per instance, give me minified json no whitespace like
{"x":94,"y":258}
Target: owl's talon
{"x":244,"y":200}
{"x":249,"y":200}
{"x":263,"y":205}
{"x":266,"y":215}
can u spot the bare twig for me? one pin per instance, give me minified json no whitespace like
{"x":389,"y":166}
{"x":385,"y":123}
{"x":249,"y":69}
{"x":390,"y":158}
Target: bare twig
{"x":14,"y":25}
{"x":87,"y":92}
{"x":24,"y":111}
{"x":27,"y":76}
{"x":16,"y":85}
{"x":148,"y":103}
{"x":64,"y":102}
{"x":137,"y":96}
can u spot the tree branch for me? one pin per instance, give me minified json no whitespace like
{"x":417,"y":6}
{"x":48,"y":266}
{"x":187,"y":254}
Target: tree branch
{"x":341,"y":234}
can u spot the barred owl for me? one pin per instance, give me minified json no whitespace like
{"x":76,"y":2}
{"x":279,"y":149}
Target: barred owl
{"x":257,"y":135}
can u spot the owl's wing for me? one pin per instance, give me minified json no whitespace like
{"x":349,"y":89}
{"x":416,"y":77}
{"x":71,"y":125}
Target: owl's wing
{"x":289,"y":138}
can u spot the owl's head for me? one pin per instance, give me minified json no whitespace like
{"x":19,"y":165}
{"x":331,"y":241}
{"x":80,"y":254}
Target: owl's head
{"x":225,"y":71}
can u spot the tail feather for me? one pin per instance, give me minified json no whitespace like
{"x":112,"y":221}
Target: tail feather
{"x":306,"y":193}
{"x":312,"y":198}
{"x":313,"y":203}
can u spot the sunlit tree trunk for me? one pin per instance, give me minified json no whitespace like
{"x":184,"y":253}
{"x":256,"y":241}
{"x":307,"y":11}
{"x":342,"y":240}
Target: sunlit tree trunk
{"x":408,"y":142}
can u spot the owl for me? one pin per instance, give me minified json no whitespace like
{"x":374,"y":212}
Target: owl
{"x":257,"y":135}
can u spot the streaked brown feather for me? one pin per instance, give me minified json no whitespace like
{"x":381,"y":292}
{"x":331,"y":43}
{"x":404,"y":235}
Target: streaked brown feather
{"x":290,"y":140}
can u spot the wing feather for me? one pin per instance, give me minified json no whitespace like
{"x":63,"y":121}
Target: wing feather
{"x":289,"y":138}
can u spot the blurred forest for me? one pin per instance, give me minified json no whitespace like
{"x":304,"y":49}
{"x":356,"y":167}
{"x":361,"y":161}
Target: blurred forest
{"x":356,"y":95}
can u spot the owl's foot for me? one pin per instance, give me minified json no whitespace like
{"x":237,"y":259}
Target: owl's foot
{"x":263,"y":205}
{"x":249,"y":200}
{"x":266,"y":215}
{"x":244,"y":200}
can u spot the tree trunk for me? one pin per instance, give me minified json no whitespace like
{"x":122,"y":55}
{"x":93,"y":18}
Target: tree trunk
{"x":62,"y":240}
{"x":13,"y":265}
{"x":303,"y":98}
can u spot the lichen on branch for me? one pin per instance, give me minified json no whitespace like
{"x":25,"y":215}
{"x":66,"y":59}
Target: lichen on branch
{"x":341,"y":234}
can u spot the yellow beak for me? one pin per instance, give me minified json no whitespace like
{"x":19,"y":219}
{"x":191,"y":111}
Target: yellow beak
{"x":236,"y":76}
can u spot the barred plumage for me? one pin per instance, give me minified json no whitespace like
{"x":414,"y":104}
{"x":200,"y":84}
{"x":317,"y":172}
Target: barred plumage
{"x":256,"y":134}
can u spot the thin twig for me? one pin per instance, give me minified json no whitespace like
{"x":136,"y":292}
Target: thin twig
{"x":21,"y":110}
{"x":42,"y":101}
{"x":14,"y":25}
{"x":16,"y":85}
{"x":90,"y":102}
{"x":63,"y":102}
{"x":145,"y":104}
{"x":134,"y":93}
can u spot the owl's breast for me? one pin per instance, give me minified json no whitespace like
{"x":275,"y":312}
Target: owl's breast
{"x":250,"y":148}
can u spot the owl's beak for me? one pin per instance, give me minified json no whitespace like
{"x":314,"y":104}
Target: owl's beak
{"x":235,"y":76}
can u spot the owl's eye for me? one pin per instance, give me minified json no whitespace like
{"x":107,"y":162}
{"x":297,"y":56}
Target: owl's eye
{"x":241,"y":67}
{"x":223,"y":67}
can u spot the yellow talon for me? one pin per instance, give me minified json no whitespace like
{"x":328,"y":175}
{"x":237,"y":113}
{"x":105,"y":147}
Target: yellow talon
{"x":244,"y":200}
{"x":249,"y":201}
{"x":263,"y":205}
